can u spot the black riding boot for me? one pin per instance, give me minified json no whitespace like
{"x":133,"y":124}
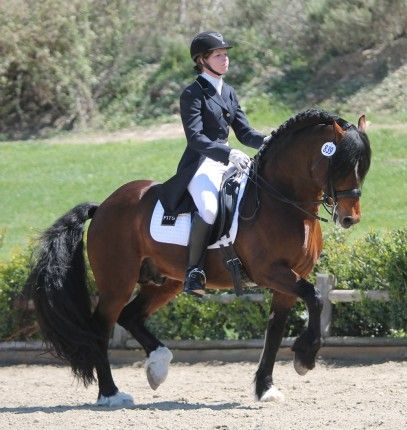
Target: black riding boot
{"x":199,"y":237}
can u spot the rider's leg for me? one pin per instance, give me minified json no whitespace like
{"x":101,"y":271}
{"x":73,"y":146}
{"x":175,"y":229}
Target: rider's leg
{"x":204,"y":188}
{"x":199,"y":237}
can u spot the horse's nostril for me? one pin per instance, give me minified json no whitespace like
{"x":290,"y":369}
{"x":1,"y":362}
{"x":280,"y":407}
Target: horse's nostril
{"x":348,"y":221}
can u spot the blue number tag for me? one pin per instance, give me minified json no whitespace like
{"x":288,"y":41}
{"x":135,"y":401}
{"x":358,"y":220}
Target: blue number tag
{"x":328,"y":149}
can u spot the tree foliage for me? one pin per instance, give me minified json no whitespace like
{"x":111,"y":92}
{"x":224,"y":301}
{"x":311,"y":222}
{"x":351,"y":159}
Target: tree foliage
{"x":45,"y":72}
{"x":70,"y":64}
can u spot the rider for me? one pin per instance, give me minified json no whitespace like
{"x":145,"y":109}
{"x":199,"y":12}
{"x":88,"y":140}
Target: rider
{"x":208,"y":107}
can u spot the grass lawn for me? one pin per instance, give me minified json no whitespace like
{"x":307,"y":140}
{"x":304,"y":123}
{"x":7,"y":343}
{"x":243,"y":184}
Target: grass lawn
{"x":40,"y":181}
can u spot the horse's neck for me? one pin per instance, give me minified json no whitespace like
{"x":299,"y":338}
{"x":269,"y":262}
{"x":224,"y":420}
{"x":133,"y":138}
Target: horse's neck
{"x":289,"y":170}
{"x":296,"y":162}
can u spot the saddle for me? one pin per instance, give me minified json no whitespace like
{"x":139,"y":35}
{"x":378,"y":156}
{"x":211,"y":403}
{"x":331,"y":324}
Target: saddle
{"x":227,"y":198}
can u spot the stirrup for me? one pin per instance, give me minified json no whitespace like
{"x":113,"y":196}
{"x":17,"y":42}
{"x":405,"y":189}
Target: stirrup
{"x":195,"y":281}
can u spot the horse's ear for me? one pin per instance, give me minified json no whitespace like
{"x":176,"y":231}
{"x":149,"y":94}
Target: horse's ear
{"x":339,"y":133}
{"x":362,"y":123}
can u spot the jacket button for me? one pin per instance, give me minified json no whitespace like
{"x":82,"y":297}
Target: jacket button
{"x":228,"y":114}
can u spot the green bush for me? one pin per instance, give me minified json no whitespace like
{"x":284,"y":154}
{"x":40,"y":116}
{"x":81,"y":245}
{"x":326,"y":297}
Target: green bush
{"x":45,"y":71}
{"x":63,"y":62}
{"x":162,"y":88}
{"x":189,"y":318}
{"x":342,"y":27}
{"x":16,"y":322}
{"x":111,"y":63}
{"x":374,"y":262}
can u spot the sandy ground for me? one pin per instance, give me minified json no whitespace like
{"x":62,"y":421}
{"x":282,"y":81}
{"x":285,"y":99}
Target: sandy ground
{"x":211,"y":396}
{"x":171,"y":130}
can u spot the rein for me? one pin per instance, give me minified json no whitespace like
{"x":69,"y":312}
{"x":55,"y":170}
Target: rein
{"x":329,"y":200}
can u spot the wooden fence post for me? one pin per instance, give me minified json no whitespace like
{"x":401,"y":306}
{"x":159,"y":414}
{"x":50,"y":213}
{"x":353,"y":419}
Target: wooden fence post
{"x":119,"y":337}
{"x":325,"y":283}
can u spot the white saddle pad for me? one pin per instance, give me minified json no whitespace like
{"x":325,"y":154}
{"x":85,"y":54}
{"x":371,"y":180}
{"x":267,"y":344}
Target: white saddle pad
{"x":178,"y":234}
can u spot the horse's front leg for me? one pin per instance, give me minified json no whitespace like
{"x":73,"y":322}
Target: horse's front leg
{"x":280,"y":308}
{"x":287,"y":287}
{"x":308,"y":343}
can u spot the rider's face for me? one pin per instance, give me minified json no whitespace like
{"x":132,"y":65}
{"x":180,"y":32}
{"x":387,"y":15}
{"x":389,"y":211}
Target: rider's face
{"x":219,"y":61}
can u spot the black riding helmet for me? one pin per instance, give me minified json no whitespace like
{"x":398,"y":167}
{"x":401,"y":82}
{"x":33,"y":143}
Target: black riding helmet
{"x":207,"y":41}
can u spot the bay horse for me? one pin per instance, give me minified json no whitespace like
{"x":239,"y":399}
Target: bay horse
{"x":315,"y":157}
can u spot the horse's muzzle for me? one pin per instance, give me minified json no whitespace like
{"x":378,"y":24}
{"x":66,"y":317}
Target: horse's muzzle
{"x":349,"y":221}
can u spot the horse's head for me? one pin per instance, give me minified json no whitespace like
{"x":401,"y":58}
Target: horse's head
{"x":348,"y":165}
{"x":315,"y":153}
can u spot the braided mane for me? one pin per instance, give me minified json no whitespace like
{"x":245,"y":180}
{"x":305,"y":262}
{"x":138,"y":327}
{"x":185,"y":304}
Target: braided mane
{"x":353,"y":151}
{"x":304,"y":119}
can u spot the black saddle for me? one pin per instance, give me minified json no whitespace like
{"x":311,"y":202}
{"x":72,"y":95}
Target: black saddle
{"x":228,"y":195}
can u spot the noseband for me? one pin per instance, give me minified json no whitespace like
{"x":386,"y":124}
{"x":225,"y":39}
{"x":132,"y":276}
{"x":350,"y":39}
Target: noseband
{"x":329,"y":198}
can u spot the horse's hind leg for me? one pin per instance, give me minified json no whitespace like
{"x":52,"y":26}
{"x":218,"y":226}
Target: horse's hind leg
{"x":280,"y":308}
{"x":115,"y":287}
{"x":109,"y":394}
{"x":149,"y":299}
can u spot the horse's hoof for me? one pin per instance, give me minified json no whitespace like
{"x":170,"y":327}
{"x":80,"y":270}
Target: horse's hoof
{"x":119,"y":399}
{"x":157,"y":366}
{"x":273,"y":394}
{"x":299,"y":367}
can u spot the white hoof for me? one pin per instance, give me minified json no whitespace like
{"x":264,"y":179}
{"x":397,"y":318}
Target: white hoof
{"x":273,"y":394}
{"x":118,"y":400}
{"x":156,"y":366}
{"x":300,"y":368}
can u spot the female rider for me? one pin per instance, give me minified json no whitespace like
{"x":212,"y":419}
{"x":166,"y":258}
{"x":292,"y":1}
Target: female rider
{"x":208,"y":107}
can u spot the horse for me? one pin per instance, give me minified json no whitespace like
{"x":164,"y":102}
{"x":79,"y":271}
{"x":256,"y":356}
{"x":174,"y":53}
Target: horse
{"x":314,"y":158}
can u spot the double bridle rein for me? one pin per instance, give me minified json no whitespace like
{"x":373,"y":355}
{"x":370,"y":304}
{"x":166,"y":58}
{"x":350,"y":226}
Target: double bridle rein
{"x":329,"y":198}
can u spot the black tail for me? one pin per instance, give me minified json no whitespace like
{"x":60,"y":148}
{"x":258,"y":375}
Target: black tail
{"x":59,"y":287}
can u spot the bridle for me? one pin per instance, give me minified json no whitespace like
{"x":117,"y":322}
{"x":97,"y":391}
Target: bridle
{"x":332,"y":196}
{"x":329,"y":198}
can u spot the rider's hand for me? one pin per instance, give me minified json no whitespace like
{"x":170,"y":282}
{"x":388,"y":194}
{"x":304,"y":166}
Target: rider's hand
{"x":239,"y":159}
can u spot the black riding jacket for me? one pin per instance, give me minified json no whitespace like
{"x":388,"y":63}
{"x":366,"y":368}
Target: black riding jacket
{"x":206,"y":117}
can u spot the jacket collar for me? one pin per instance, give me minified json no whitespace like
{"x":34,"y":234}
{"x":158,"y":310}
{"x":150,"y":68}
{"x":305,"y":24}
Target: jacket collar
{"x":210,"y":90}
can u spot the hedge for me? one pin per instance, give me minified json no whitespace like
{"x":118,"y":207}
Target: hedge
{"x":373,"y":262}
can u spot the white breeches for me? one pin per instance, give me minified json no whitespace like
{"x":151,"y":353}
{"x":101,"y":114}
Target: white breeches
{"x":204,"y":188}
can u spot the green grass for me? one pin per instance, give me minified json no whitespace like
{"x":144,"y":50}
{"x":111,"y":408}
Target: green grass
{"x":385,"y":190}
{"x":264,"y":110}
{"x":39,"y":181}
